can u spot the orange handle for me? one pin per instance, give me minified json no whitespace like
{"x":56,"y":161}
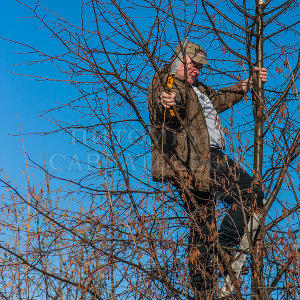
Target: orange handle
{"x":170,"y":86}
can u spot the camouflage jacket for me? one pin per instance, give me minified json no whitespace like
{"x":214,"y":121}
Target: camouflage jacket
{"x":180,"y":146}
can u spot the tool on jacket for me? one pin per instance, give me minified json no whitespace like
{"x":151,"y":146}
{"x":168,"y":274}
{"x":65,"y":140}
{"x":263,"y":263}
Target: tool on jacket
{"x":174,"y":71}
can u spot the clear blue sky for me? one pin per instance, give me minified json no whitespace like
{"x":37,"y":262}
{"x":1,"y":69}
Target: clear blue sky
{"x":24,"y":97}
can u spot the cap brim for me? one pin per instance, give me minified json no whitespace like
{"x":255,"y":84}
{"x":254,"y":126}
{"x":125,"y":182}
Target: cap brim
{"x":202,"y":61}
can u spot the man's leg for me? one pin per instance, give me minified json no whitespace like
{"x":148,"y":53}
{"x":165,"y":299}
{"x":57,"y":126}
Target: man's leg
{"x":200,"y":242}
{"x":233,"y":185}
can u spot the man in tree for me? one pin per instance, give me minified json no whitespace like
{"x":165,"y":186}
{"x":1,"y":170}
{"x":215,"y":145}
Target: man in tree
{"x":188,"y":152}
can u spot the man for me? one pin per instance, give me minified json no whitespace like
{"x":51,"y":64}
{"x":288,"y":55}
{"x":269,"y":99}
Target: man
{"x":187,"y":151}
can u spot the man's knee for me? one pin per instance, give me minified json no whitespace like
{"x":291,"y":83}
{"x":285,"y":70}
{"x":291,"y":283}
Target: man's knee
{"x":259,"y":196}
{"x":254,"y":197}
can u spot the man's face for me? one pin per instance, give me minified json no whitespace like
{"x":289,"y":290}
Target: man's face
{"x":192,"y":70}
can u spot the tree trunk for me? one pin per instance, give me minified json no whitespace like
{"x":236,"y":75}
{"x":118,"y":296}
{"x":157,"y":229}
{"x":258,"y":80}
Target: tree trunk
{"x":258,"y":107}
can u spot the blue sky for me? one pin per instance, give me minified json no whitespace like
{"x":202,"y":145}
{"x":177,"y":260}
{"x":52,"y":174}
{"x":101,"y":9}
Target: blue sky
{"x":22,"y":97}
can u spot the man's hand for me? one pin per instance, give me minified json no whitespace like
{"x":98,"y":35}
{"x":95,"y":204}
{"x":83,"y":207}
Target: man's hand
{"x":263,"y":74}
{"x":247,"y":83}
{"x":167,"y":100}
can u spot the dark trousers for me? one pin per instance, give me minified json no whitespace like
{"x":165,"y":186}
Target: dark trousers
{"x":233,"y":186}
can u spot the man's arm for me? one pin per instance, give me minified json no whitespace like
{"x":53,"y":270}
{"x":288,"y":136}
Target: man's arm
{"x":160,"y":101}
{"x":226,"y":97}
{"x":229,"y":96}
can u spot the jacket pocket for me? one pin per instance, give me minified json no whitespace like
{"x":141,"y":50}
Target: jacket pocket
{"x":182,"y":147}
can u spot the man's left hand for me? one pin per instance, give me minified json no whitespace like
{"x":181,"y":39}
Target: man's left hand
{"x":263,"y":74}
{"x":247,"y":83}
